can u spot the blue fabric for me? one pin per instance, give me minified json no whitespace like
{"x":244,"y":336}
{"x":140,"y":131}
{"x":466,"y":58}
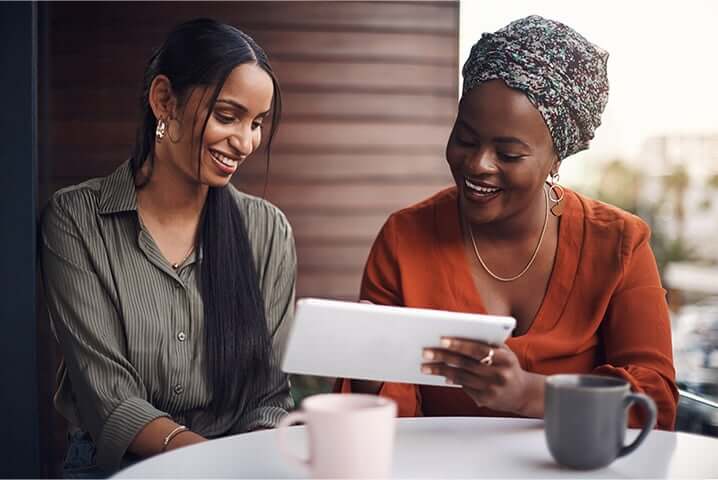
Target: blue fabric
{"x":80,"y":457}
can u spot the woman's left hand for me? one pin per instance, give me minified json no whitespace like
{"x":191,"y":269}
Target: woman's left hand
{"x":490,"y":375}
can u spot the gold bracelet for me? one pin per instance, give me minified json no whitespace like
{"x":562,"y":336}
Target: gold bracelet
{"x":172,"y":435}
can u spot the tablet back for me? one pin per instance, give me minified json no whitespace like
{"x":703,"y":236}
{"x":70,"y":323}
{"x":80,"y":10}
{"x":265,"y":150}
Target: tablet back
{"x":374,"y":342}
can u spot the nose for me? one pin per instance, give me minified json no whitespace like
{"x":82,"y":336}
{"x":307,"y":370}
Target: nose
{"x":241,"y":141}
{"x":482,"y":162}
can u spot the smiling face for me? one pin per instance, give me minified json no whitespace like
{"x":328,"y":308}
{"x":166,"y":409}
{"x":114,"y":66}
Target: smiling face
{"x":233,"y":131}
{"x":500,"y":153}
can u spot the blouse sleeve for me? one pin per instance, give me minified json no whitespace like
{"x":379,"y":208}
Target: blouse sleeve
{"x":381,"y":284}
{"x":636,"y":331}
{"x":112,"y":401}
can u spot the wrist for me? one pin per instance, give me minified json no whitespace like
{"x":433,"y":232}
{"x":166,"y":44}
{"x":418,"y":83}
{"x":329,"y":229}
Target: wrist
{"x":171,"y":435}
{"x":182,"y":439}
{"x":534,"y":404}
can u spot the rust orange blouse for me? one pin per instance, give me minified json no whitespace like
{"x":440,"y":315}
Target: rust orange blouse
{"x":604,"y":311}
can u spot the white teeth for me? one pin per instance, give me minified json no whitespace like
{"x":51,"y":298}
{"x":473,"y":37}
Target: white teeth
{"x":223,"y":159}
{"x":477,"y":188}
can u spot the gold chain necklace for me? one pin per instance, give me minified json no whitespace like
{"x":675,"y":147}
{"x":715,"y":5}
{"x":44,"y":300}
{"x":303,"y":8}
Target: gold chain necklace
{"x":528,"y":265}
{"x":174,"y":266}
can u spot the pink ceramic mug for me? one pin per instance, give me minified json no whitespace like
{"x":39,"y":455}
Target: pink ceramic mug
{"x":350,"y":435}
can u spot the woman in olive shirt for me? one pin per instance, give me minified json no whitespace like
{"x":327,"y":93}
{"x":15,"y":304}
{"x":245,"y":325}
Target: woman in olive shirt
{"x":168,"y":289}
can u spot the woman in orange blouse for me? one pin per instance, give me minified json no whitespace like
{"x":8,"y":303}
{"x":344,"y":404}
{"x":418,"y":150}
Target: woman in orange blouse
{"x":577,"y":274}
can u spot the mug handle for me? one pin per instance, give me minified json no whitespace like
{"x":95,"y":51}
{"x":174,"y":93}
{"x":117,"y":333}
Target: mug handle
{"x":291,"y":419}
{"x":649,"y":407}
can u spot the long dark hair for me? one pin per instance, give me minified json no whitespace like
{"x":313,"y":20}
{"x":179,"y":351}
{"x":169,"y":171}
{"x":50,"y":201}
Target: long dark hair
{"x":198,"y":53}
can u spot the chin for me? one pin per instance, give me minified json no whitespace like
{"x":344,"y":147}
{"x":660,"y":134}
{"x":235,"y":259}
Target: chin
{"x":477,"y":213}
{"x":216,"y":181}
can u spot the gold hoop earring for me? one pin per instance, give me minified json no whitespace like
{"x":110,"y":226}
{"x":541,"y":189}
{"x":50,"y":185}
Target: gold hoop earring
{"x":169,"y":130}
{"x":161,"y":130}
{"x":556,"y":193}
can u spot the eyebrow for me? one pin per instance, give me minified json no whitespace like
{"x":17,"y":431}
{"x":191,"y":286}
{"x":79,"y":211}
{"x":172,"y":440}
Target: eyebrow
{"x":509,"y":140}
{"x":239,"y":106}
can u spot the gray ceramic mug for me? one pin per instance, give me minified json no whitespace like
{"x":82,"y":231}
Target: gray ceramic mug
{"x":585,"y":419}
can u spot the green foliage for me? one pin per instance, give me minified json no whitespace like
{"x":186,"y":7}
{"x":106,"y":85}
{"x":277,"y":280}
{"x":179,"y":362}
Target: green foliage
{"x":620,"y":186}
{"x":678,"y":180}
{"x":669,"y":250}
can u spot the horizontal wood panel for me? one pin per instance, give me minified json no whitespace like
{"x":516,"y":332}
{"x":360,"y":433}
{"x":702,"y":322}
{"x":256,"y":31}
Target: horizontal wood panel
{"x":69,"y":69}
{"x":360,"y":133}
{"x":74,"y":133}
{"x":368,"y":76}
{"x":326,"y":167}
{"x":375,"y":16}
{"x":109,"y":103}
{"x":284,"y":168}
{"x":332,"y":257}
{"x":348,"y":229}
{"x":405,"y":47}
{"x":343,"y":285}
{"x":349,"y":199}
{"x":402,"y":106}
{"x":358,"y":198}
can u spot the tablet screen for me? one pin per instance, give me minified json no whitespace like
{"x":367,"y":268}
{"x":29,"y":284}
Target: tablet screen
{"x":374,"y":342}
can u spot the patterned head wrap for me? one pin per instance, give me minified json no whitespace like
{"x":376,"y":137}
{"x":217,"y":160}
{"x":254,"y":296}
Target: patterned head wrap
{"x":563,"y":75}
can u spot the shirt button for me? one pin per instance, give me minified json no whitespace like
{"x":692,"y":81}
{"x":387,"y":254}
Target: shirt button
{"x":181,"y":336}
{"x":178,"y":389}
{"x":178,"y":285}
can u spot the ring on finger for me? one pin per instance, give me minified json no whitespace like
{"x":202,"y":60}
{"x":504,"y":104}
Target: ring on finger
{"x":488,"y":360}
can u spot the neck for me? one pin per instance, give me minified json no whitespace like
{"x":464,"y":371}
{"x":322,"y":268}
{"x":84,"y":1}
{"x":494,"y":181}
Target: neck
{"x":518,"y":227}
{"x":171,"y":196}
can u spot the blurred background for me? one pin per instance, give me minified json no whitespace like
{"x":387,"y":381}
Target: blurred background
{"x":370,"y":92}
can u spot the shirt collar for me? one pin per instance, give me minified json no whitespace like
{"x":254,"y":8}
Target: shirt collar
{"x":118,"y":193}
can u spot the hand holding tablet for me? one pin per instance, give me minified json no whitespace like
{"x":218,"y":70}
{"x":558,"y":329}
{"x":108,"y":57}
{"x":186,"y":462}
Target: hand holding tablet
{"x":375,"y":342}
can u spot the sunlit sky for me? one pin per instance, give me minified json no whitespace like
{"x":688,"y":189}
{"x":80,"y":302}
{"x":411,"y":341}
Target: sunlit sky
{"x":662,"y":68}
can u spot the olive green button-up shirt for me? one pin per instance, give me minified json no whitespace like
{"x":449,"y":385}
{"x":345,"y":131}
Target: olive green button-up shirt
{"x":131,"y":328}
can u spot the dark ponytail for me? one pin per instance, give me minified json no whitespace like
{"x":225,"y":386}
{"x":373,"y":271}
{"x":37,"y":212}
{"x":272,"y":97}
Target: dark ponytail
{"x":238,"y":346}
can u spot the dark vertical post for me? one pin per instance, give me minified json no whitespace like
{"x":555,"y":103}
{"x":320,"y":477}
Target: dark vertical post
{"x":18,"y":153}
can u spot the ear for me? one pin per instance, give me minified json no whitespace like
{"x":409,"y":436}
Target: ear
{"x":163,"y":101}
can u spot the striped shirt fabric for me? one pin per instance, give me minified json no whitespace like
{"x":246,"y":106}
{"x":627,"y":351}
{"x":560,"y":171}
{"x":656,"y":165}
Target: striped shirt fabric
{"x":131,"y":327}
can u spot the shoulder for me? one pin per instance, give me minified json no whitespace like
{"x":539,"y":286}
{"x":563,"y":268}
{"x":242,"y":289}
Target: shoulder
{"x":604,"y":222}
{"x":422,"y":218}
{"x":260,"y":213}
{"x":264,"y":221}
{"x":77,"y":202}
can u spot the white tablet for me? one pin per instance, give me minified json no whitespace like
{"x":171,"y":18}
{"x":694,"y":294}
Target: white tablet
{"x":374,"y":342}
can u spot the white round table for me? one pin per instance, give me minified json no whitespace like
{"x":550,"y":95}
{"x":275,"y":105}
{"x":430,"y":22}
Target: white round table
{"x":446,"y":447}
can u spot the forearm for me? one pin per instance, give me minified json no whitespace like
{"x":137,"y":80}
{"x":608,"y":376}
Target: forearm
{"x":150,"y":440}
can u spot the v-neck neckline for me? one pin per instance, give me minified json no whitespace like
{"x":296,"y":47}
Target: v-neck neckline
{"x":568,"y":251}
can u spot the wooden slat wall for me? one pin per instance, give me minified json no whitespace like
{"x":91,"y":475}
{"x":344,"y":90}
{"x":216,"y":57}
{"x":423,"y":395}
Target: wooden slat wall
{"x":370,"y":91}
